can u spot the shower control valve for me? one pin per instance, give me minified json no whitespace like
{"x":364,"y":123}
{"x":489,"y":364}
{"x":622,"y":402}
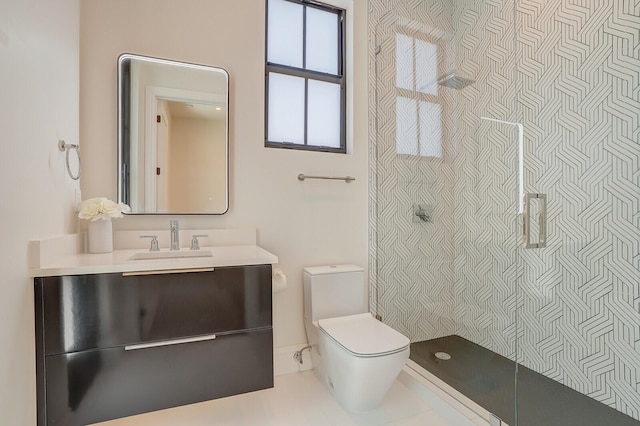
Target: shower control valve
{"x":422,"y":213}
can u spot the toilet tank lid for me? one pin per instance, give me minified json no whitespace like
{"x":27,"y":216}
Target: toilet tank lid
{"x":332,"y":269}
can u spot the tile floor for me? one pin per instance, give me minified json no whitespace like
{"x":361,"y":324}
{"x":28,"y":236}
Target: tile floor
{"x":300,"y":399}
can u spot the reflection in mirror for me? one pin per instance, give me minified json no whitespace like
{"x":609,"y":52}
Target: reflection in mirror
{"x":173,"y":145}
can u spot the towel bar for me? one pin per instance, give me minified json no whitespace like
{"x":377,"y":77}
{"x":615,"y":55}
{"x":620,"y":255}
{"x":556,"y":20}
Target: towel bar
{"x":347,"y":179}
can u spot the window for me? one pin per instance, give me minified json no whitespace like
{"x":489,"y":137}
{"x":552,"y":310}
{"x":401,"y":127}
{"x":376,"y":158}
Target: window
{"x":304,"y":76}
{"x":419,"y":110}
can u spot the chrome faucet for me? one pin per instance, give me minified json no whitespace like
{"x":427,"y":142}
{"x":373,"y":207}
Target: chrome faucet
{"x":175,"y":234}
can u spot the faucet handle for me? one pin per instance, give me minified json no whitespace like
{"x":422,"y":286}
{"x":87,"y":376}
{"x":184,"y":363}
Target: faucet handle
{"x":154,"y":242}
{"x":195,"y":245}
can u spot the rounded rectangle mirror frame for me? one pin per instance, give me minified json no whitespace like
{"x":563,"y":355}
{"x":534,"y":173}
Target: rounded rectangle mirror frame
{"x":173,"y":149}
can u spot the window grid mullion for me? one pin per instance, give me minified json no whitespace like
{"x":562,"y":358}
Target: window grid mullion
{"x":340,"y":46}
{"x":304,"y":67}
{"x":306,"y":110}
{"x":299,"y":72}
{"x":342,"y":40}
{"x":304,"y":37}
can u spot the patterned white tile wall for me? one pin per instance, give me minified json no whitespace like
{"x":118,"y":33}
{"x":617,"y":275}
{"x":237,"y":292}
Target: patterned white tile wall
{"x":412,"y":262}
{"x":570,"y":72}
{"x":579,"y":97}
{"x":486,"y":222}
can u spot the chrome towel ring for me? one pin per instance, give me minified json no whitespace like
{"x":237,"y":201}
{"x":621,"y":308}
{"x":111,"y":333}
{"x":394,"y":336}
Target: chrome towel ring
{"x":66,"y":147}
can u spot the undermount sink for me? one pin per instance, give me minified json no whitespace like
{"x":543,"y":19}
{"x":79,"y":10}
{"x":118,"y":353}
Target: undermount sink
{"x":171,"y":254}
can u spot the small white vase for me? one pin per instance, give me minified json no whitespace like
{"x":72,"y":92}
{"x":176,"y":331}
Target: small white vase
{"x":100,"y":236}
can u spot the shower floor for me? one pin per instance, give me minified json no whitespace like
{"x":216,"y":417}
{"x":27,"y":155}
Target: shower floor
{"x":488,"y":379}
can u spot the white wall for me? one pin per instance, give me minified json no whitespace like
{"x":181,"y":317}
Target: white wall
{"x":39,"y":63}
{"x":304,"y":223}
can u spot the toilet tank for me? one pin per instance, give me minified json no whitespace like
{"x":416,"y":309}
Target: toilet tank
{"x":334,"y":291}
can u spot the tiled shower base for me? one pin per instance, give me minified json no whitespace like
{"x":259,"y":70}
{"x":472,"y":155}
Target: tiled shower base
{"x":488,"y":380}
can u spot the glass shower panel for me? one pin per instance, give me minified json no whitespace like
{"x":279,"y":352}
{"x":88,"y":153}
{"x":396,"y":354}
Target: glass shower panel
{"x":445,"y":203}
{"x":414,"y":259}
{"x":580,"y":295}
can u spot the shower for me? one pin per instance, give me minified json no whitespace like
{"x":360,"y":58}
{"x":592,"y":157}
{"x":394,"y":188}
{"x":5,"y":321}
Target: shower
{"x":557,"y":314}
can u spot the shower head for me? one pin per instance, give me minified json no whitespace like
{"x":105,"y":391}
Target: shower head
{"x":454,"y":81}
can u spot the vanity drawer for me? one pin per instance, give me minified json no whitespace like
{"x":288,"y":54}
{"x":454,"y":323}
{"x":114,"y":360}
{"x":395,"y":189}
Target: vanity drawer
{"x":98,"y":385}
{"x":84,"y":312}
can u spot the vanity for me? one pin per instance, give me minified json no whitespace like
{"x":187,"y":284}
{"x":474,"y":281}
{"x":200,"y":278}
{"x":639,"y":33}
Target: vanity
{"x":117,"y":337}
{"x":146,"y":328}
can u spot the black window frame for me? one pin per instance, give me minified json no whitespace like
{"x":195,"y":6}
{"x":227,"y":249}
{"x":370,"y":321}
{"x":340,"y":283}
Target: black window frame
{"x":339,"y":78}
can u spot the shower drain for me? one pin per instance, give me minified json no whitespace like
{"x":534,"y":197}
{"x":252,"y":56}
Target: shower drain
{"x":443,"y":355}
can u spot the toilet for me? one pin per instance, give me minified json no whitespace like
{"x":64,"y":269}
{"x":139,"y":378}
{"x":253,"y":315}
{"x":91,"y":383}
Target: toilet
{"x":356,"y":356}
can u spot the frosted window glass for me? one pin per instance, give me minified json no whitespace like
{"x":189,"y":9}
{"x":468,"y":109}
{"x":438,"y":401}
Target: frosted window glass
{"x":426,"y":67}
{"x":430,"y":129}
{"x":404,"y":61}
{"x":323,"y":128}
{"x":284,"y":38}
{"x":286,"y":109}
{"x":406,"y":126}
{"x":322,"y":41}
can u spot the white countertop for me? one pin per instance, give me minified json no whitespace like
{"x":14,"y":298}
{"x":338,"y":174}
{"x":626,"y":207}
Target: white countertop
{"x":62,"y":255}
{"x":117,"y":261}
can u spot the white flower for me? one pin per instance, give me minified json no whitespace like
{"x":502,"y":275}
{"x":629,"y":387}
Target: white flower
{"x":102,"y":209}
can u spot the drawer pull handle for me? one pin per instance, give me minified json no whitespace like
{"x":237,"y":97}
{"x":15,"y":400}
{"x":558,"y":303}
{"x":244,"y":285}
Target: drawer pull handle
{"x":170,"y":342}
{"x":165,"y":271}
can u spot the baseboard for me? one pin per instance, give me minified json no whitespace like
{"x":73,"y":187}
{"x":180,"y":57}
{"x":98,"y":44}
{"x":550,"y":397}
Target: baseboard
{"x":284,"y":363}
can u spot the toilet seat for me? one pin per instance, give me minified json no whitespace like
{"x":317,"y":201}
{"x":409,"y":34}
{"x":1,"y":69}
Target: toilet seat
{"x":363,"y":336}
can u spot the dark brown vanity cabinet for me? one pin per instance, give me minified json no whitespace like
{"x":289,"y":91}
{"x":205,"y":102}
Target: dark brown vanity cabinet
{"x":110,"y":345}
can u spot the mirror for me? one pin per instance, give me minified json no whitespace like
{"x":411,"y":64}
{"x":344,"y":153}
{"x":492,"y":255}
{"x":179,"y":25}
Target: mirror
{"x":173,"y":138}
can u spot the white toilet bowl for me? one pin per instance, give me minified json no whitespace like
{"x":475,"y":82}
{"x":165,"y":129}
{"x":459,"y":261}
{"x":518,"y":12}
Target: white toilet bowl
{"x":361,"y":358}
{"x":355,"y":355}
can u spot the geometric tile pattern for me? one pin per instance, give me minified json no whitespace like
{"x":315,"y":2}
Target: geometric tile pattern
{"x":579,"y":100}
{"x":485,"y":190}
{"x":569,"y":71}
{"x":413,"y":262}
